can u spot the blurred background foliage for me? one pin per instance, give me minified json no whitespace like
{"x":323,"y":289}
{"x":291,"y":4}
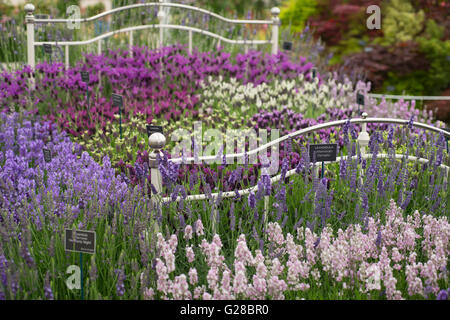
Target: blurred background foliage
{"x":410,"y":54}
{"x":295,"y":13}
{"x":95,"y":9}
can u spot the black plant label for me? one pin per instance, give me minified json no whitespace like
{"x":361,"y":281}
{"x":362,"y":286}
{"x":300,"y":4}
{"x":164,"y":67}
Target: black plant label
{"x":47,"y":155}
{"x":85,"y":76}
{"x":360,"y":99}
{"x":322,"y":152}
{"x":287,"y":45}
{"x":80,"y":241}
{"x":117,"y":100}
{"x":153,"y":129}
{"x":447,"y":137}
{"x":47,"y":48}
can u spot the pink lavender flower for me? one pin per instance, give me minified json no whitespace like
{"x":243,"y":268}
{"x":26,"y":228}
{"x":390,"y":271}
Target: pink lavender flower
{"x":149,"y":293}
{"x":213,"y":278}
{"x":198,"y":292}
{"x":193,"y":277}
{"x":180,"y":288}
{"x":207,"y":296}
{"x":190,"y":254}
{"x":226,"y":283}
{"x":199,"y":228}
{"x":163,"y":276}
{"x":240,"y":278}
{"x":173,"y":242}
{"x":188,"y":232}
{"x":275,"y":233}
{"x":242,"y":253}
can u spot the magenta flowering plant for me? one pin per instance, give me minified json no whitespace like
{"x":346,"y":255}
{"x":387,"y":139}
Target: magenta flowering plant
{"x":160,"y":84}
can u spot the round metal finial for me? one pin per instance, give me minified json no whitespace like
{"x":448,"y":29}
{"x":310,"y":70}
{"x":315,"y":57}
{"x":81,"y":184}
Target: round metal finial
{"x":157,"y":140}
{"x":275,"y":11}
{"x":29,"y":8}
{"x":364,"y":115}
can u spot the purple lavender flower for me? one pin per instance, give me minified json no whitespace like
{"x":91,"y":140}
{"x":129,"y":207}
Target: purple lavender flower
{"x":47,"y":289}
{"x":316,"y":243}
{"x":378,"y":239}
{"x":232,"y":217}
{"x":442,"y":295}
{"x":284,"y":168}
{"x":390,"y":137}
{"x":411,"y":122}
{"x":342,"y":168}
{"x":252,"y":200}
{"x":3,"y":268}
{"x":267,"y":184}
{"x":120,"y":287}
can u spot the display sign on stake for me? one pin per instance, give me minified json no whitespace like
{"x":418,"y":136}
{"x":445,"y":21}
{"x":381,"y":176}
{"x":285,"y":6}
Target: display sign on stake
{"x":153,"y":129}
{"x":85,"y":76}
{"x":287,"y":45}
{"x":47,"y":155}
{"x":118,"y":102}
{"x":360,"y":101}
{"x":48,"y":50}
{"x":314,"y":72}
{"x":447,"y":138}
{"x":85,"y":79}
{"x":82,"y":241}
{"x":322,"y":153}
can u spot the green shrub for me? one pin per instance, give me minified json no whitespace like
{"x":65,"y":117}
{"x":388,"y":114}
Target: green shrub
{"x":413,"y":83}
{"x":438,"y":52}
{"x":433,"y":30}
{"x":401,"y":22}
{"x":295,"y":13}
{"x":425,"y":82}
